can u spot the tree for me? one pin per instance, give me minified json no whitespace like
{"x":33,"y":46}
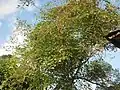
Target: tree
{"x":8,"y":64}
{"x":63,"y":42}
{"x":58,"y":51}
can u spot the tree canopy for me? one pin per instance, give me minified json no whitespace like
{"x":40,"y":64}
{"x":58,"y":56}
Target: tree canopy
{"x":61,"y":49}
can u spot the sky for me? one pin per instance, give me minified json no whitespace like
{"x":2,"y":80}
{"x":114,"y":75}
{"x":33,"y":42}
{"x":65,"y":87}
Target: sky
{"x":9,"y":13}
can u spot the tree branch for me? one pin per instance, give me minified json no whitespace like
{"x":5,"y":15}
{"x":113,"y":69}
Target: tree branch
{"x":88,"y":80}
{"x":79,"y":66}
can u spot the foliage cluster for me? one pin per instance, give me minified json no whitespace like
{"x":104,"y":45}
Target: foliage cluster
{"x":57,"y":52}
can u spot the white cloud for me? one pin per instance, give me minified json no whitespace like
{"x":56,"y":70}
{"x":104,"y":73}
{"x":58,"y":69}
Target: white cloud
{"x":0,"y":24}
{"x":3,"y":51}
{"x":17,"y":38}
{"x":7,"y":7}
